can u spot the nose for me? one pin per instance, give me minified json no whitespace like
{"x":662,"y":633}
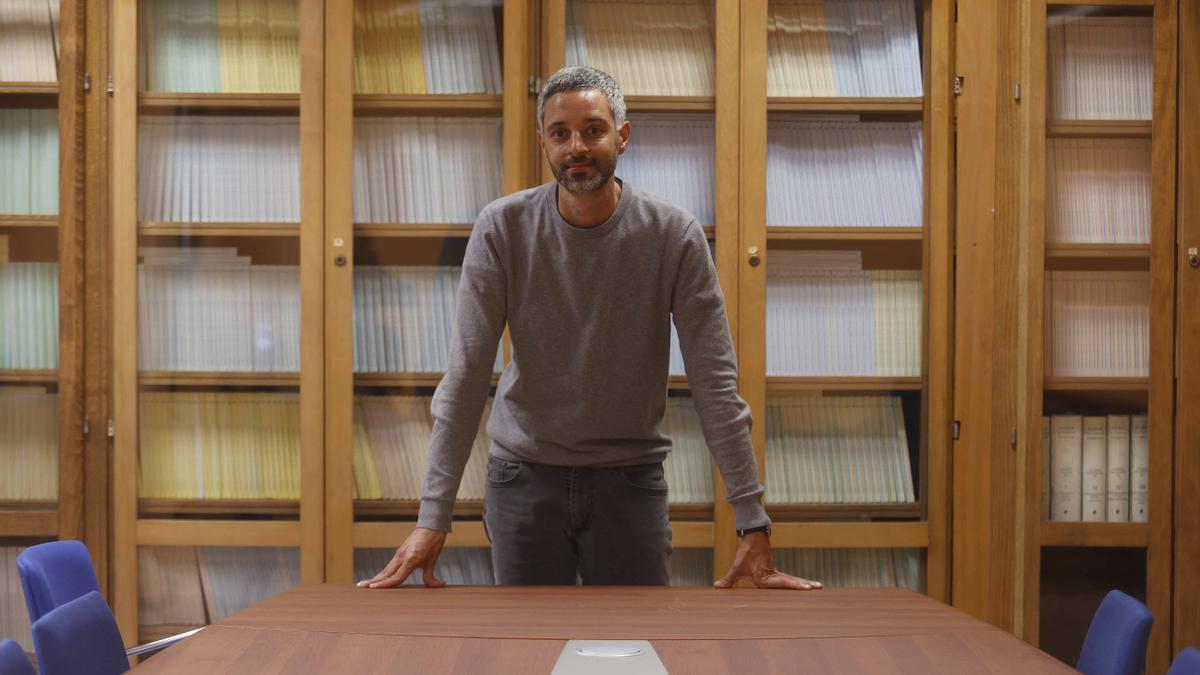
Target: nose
{"x":577,"y":146}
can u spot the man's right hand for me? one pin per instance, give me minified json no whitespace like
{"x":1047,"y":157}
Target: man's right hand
{"x":419,"y":551}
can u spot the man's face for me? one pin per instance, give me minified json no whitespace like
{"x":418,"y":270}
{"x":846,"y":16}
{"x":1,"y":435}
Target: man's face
{"x":581,"y":140}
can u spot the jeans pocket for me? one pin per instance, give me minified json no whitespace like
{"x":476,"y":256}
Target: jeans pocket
{"x":646,"y":479}
{"x":501,"y":472}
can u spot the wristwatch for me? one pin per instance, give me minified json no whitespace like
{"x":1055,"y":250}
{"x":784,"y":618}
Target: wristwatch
{"x":765,"y":529}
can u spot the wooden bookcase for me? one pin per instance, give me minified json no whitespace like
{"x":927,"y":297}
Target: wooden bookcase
{"x":1072,"y":564}
{"x":296,"y":523}
{"x":54,"y":235}
{"x":327,"y":523}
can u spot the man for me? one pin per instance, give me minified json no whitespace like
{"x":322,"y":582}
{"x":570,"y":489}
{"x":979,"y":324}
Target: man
{"x":587,"y":272}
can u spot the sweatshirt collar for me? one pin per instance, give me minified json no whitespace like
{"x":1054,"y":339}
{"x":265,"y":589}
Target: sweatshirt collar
{"x":588,"y":232}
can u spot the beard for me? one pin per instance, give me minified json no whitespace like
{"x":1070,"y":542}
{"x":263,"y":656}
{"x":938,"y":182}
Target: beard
{"x":604,"y":170}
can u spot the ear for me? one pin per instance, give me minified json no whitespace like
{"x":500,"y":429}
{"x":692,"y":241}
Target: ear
{"x":541,"y":141}
{"x":623,"y":132}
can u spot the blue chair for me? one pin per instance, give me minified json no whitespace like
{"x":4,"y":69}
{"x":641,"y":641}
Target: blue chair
{"x":54,"y":574}
{"x":1186,"y":663}
{"x":13,"y":660}
{"x":58,"y":572}
{"x":1116,"y":639}
{"x":80,"y":636}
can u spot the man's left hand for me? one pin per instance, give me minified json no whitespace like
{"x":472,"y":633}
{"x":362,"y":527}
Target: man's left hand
{"x":753,"y":562}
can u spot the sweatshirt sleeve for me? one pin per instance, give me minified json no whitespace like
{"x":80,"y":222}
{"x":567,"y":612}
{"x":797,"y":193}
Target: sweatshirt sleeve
{"x":698,"y":310}
{"x":459,"y":399}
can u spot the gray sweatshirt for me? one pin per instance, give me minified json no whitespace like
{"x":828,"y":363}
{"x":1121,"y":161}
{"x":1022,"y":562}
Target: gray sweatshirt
{"x":588,"y":311}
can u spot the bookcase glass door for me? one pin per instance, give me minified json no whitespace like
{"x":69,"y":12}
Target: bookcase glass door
{"x":218,"y":298}
{"x":1099,"y":320}
{"x":29,"y":290}
{"x":427,"y":157}
{"x":844,"y":349}
{"x":662,"y":53}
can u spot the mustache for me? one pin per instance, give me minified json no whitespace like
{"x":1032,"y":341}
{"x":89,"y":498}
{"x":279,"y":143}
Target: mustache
{"x":590,"y":161}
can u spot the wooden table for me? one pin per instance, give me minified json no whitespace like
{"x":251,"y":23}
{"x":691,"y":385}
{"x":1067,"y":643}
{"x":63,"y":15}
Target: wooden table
{"x":485,"y":629}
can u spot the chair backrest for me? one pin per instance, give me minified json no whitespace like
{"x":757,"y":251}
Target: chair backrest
{"x":80,"y":637}
{"x":1186,"y":663}
{"x":1116,"y":639}
{"x":54,"y":574}
{"x":13,"y":660}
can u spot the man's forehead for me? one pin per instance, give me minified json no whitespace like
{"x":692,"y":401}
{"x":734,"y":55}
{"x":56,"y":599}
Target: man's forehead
{"x":588,"y":104}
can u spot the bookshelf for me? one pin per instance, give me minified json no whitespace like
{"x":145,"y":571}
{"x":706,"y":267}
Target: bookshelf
{"x":217,"y":389}
{"x":41,"y":280}
{"x":1119,"y":148}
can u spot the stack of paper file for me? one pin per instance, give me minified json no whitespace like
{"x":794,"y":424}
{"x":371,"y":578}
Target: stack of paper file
{"x":28,"y":161}
{"x":837,"y":450}
{"x":854,"y":567}
{"x":1096,"y":468}
{"x":28,"y":444}
{"x":213,"y":46}
{"x":208,"y":309}
{"x":404,"y":319}
{"x":843,"y":48}
{"x":841,"y":321}
{"x":672,"y":157}
{"x":219,"y":169}
{"x":844,"y":173}
{"x":28,"y":315}
{"x":14,"y":619}
{"x":426,"y":169}
{"x":29,"y":41}
{"x":458,"y":566}
{"x":655,"y":47}
{"x":1098,"y":190}
{"x":427,"y":47}
{"x":1100,"y":67}
{"x":206,"y":445}
{"x":1097,"y":324}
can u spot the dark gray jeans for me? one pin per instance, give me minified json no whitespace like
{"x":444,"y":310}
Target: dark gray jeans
{"x":611,"y":526}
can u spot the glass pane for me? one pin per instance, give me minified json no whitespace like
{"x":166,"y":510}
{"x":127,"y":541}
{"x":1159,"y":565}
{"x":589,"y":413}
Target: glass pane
{"x":855,"y":567}
{"x":457,"y":566}
{"x":184,"y":586}
{"x":1097,"y":324}
{"x":28,"y":162}
{"x":1100,"y":67}
{"x":844,"y":173}
{"x":692,"y":566}
{"x":29,"y":33}
{"x":656,"y":48}
{"x":424,"y":47}
{"x":829,"y":450}
{"x":219,"y":46}
{"x":14,"y":619}
{"x":843,"y":48}
{"x":1098,"y":190}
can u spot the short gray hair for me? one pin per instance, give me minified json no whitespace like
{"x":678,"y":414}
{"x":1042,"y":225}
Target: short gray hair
{"x":578,"y":78}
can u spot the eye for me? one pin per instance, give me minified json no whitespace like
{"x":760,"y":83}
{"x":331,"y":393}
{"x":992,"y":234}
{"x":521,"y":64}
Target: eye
{"x":595,"y":131}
